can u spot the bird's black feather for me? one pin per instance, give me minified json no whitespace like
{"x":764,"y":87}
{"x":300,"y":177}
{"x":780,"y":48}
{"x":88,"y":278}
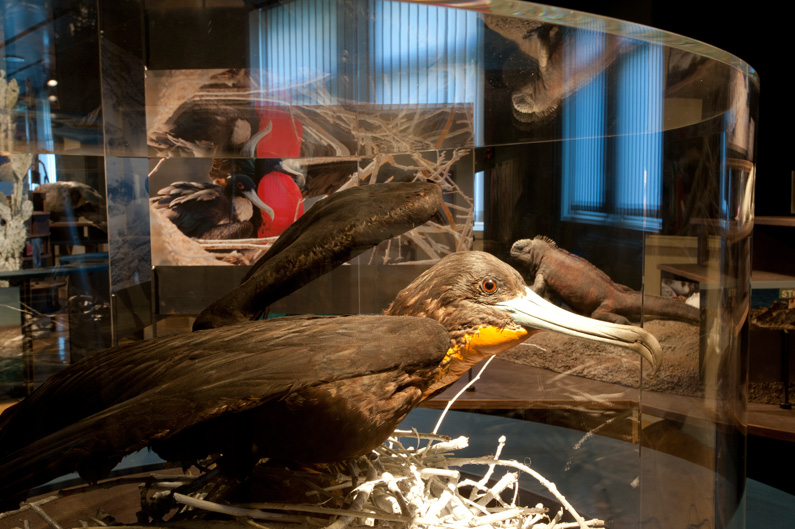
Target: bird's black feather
{"x":87,"y":417}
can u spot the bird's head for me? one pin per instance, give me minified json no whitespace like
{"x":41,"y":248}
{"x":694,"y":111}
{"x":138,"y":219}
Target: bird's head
{"x":487,"y":308}
{"x":242,"y":185}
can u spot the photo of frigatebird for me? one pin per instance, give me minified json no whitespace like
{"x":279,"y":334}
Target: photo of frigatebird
{"x":271,"y":388}
{"x":211,"y":211}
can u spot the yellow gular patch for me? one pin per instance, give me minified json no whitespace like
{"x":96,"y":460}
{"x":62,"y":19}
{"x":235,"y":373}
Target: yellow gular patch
{"x":487,"y":341}
{"x":492,"y":340}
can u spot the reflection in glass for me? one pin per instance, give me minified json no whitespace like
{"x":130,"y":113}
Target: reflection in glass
{"x":630,"y":148}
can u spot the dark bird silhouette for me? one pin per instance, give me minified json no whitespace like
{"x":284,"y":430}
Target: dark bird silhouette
{"x":210,"y":211}
{"x":217,"y":120}
{"x":334,"y":231}
{"x":270,"y":388}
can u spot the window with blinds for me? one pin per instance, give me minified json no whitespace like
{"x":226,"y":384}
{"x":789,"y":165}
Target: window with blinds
{"x":401,"y":53}
{"x":300,"y":47}
{"x":423,"y":54}
{"x":612,"y":166}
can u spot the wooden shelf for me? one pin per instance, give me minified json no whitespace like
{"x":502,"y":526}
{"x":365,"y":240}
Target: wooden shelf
{"x":693,"y":272}
{"x":506,"y":385}
{"x":776,"y":221}
{"x":763,"y":279}
{"x":759,"y":278}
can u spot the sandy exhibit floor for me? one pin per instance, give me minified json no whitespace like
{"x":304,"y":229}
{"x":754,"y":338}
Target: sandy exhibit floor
{"x":679,"y":373}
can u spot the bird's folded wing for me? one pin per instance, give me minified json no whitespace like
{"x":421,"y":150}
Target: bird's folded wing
{"x":88,"y":418}
{"x":332,"y":232}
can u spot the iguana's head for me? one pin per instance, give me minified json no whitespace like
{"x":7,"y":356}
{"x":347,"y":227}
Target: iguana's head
{"x":529,"y":252}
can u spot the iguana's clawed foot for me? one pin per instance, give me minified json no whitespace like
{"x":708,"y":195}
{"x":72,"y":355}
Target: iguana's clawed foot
{"x":611,"y":317}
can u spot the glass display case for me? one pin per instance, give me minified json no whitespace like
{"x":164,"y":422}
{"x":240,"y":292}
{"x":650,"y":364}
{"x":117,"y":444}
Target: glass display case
{"x":610,"y":163}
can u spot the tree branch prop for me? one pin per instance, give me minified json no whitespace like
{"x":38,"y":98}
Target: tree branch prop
{"x":410,"y":487}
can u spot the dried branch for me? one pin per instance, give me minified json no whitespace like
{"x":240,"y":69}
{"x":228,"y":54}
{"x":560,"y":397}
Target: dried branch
{"x":461,"y":392}
{"x":414,"y":488}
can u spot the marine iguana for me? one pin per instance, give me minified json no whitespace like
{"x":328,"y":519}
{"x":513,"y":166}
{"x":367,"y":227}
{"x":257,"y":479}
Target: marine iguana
{"x":588,"y":290}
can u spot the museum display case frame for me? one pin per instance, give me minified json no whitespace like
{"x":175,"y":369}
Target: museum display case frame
{"x":632,"y":148}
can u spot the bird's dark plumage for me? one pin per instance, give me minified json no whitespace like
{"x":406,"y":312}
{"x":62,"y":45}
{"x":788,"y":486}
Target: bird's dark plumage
{"x":209,"y":211}
{"x":268,"y":388}
{"x":224,"y":391}
{"x":274,"y":388}
{"x":218,"y":120}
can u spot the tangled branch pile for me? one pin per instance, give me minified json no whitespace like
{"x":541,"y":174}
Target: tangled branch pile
{"x":395,"y":486}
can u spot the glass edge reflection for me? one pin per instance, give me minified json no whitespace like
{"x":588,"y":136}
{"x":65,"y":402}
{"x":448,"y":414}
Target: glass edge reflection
{"x":580,"y":19}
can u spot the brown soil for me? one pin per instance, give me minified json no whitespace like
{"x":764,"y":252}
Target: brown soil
{"x":679,"y":373}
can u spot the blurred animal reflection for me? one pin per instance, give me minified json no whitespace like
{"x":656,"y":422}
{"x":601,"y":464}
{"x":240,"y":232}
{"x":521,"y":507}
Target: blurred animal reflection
{"x":69,"y":201}
{"x":543,"y":63}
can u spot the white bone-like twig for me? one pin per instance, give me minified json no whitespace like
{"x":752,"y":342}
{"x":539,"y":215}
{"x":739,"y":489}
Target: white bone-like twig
{"x":432,"y":493}
{"x":413,"y":489}
{"x":467,"y":385}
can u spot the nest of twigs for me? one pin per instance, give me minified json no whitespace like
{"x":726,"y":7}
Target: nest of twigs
{"x":395,"y":486}
{"x":416,"y":484}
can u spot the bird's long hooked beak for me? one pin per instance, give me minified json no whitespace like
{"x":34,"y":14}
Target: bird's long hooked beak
{"x":257,"y":201}
{"x":533,"y":311}
{"x":292,"y":168}
{"x":249,"y":148}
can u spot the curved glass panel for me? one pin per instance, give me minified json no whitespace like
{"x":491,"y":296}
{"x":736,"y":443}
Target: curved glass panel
{"x":610,"y":163}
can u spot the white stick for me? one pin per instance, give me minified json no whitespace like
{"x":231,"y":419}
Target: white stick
{"x":230,"y":510}
{"x":450,"y":403}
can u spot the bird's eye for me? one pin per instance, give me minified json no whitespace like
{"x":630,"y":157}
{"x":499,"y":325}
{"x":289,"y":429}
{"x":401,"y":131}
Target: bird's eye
{"x":489,"y":286}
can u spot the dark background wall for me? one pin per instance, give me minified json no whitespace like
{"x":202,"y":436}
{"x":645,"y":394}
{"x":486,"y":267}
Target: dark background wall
{"x":754,"y":32}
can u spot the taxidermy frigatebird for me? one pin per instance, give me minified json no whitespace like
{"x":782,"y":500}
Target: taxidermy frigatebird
{"x":273,"y":388}
{"x":210,"y":211}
